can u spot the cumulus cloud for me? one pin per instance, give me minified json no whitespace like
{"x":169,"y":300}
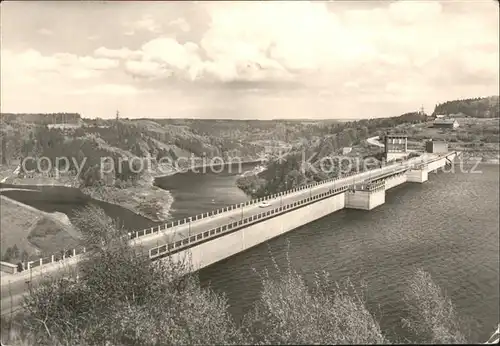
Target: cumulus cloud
{"x":107,"y":89}
{"x":122,"y":53}
{"x":147,"y":69}
{"x":163,"y":56}
{"x":395,"y":51}
{"x":31,"y":62}
{"x":181,"y":24}
{"x":145,"y":23}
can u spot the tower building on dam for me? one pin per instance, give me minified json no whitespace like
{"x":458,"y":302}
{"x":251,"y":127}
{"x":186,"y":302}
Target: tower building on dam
{"x":396,"y":147}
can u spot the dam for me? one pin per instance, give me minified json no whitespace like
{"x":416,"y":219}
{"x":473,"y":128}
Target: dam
{"x":211,"y":237}
{"x":207,"y":239}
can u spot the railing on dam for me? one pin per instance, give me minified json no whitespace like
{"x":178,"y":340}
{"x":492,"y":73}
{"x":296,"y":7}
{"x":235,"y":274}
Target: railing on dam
{"x":192,"y":240}
{"x":55,"y":258}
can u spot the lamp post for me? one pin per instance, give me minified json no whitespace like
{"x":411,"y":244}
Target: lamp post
{"x":189,"y":226}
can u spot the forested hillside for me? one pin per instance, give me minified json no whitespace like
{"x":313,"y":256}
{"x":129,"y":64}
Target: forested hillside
{"x":301,"y":165}
{"x":479,"y":107}
{"x":42,"y":118}
{"x":111,"y":138}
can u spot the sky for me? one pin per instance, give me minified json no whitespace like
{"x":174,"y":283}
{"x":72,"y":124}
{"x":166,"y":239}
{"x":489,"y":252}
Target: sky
{"x":246,"y":60}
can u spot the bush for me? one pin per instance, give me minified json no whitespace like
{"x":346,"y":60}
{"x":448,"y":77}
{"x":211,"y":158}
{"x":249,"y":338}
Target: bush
{"x":432,"y":317}
{"x":120,"y":298}
{"x":290,"y":313}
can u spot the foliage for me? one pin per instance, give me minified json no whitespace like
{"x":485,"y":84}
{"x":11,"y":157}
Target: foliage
{"x":153,"y":207}
{"x":432,"y":317}
{"x":120,"y":298}
{"x":42,"y":118}
{"x":288,"y":312}
{"x":479,"y":107}
{"x":303,"y":164}
{"x":97,"y":228}
{"x":13,"y":254}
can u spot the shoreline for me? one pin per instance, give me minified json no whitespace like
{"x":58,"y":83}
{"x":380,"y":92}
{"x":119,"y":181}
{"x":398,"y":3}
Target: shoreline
{"x":188,"y":169}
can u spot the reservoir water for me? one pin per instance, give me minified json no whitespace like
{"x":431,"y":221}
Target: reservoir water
{"x":449,"y":226}
{"x":124,"y":217}
{"x":196,"y":193}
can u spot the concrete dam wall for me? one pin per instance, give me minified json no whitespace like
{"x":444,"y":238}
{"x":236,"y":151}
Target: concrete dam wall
{"x":220,"y":248}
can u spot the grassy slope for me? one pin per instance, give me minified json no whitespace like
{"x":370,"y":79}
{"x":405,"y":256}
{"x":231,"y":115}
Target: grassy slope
{"x":33,"y":230}
{"x":15,"y":225}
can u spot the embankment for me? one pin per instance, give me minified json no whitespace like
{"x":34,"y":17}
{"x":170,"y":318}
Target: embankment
{"x":32,"y":230}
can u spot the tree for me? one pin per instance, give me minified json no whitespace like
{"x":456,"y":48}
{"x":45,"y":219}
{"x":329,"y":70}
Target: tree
{"x":25,"y":256}
{"x":289,"y":312}
{"x":431,"y":315}
{"x":7,"y":257}
{"x":15,"y":251}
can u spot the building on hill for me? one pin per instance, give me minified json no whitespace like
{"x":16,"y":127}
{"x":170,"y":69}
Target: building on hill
{"x":436,"y":146}
{"x":445,"y":123}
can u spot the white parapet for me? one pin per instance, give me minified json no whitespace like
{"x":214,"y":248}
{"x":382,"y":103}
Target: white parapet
{"x":395,"y":156}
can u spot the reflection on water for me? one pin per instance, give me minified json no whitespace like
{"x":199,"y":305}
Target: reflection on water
{"x":196,"y":193}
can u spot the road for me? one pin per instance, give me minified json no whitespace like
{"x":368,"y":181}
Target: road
{"x":375,"y":141}
{"x":16,"y":284}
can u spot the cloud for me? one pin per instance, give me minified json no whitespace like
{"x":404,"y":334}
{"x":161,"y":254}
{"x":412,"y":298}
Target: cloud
{"x":168,"y":50}
{"x":146,"y":23}
{"x":45,"y":32}
{"x":397,"y":52}
{"x":409,"y":11}
{"x":122,"y":53}
{"x":97,"y":63}
{"x":164,"y":56}
{"x":147,"y":69}
{"x":181,"y":24}
{"x":31,"y":62}
{"x":305,"y":42}
{"x":108,"y":89}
